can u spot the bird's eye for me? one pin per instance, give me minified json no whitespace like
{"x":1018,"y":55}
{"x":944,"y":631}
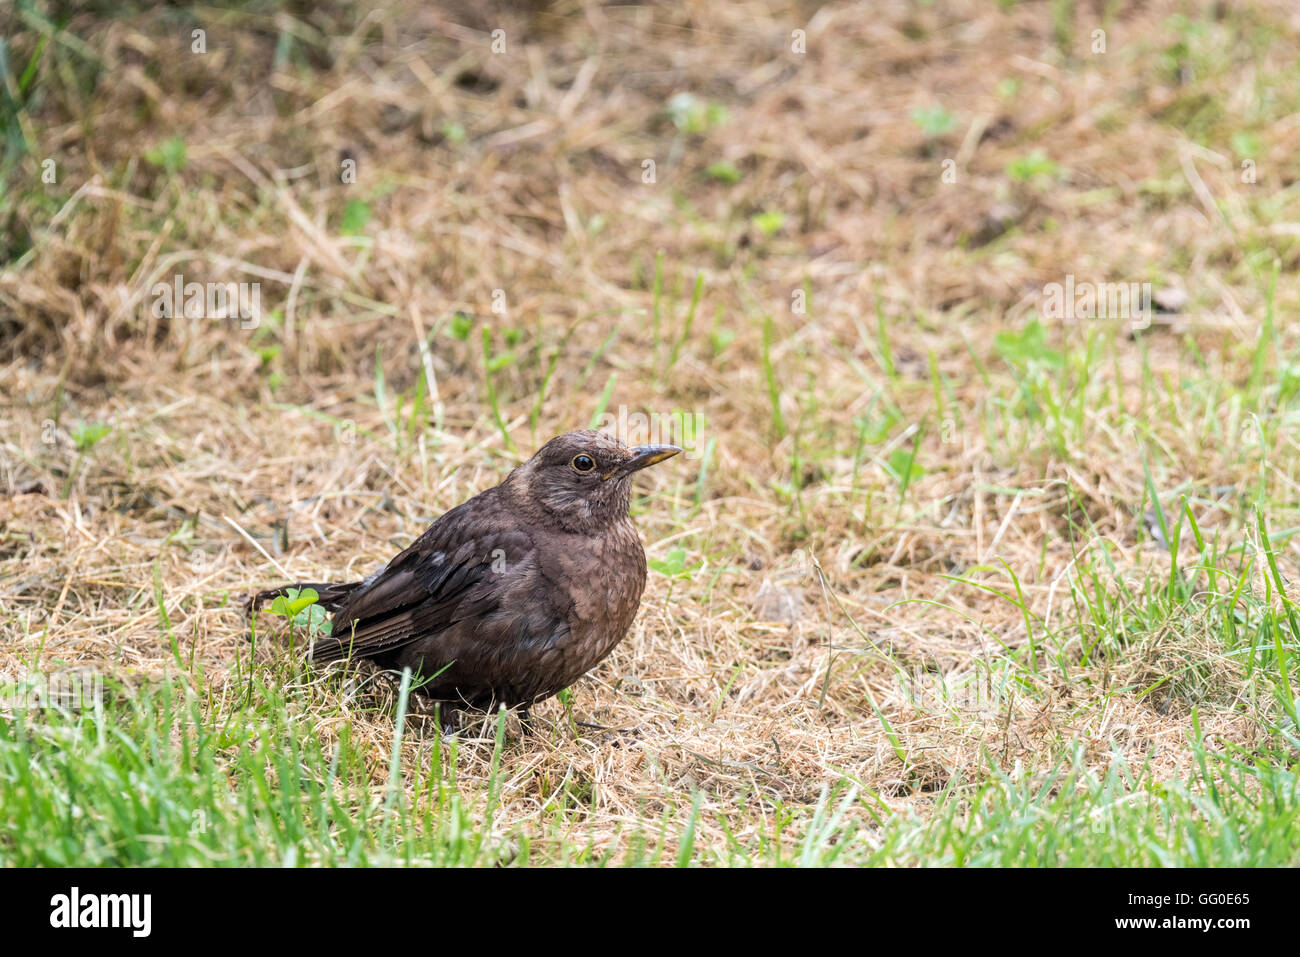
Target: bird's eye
{"x":583,"y":463}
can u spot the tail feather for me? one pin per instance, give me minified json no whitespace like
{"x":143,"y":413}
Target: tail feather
{"x":332,"y":595}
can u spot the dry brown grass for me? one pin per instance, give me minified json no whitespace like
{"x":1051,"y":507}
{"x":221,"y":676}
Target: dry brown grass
{"x":544,"y":200}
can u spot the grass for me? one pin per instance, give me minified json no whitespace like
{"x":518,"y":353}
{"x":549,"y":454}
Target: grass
{"x":168,"y":778}
{"x":942,"y":580}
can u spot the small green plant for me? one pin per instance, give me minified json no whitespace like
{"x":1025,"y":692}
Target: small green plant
{"x":934,"y":121}
{"x":1246,"y":144}
{"x":1036,"y":168}
{"x":267,"y":356}
{"x":724,"y":171}
{"x":88,"y":434}
{"x":169,"y":154}
{"x":692,"y":115}
{"x":301,"y":608}
{"x":673,"y":565}
{"x":1028,"y":345}
{"x":876,"y":429}
{"x":872,"y":430}
{"x":355,"y":216}
{"x":84,"y":438}
{"x":769,"y":223}
{"x":496,"y":361}
{"x":460,"y":327}
{"x":903,"y":463}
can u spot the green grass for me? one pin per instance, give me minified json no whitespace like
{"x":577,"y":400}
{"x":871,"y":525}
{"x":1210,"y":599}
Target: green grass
{"x":163,"y":778}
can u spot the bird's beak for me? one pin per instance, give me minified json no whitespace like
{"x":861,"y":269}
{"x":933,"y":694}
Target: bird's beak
{"x":643,"y":456}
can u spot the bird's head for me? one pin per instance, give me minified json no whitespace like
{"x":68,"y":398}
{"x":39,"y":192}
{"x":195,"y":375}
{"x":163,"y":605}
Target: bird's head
{"x":583,"y":480}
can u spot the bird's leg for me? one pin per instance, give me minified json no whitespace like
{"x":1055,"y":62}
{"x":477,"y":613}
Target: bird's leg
{"x":526,"y":720}
{"x":448,"y":718}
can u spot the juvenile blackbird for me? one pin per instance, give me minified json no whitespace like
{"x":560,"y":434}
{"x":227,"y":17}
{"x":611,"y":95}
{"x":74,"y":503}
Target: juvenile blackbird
{"x":512,"y":596}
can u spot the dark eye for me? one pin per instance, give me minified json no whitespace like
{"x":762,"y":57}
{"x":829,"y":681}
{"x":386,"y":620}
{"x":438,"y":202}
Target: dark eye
{"x":583,"y":463}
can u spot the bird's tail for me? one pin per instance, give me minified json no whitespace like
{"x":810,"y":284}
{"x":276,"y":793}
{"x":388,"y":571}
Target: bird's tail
{"x":331,"y":595}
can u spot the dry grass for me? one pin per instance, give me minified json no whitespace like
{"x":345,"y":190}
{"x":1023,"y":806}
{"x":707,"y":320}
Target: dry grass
{"x":763,"y":676}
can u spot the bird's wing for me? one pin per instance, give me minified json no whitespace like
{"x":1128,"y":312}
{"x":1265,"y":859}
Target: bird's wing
{"x":430,"y":585}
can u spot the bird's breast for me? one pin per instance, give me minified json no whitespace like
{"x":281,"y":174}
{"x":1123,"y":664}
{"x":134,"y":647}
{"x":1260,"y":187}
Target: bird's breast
{"x":605,"y":576}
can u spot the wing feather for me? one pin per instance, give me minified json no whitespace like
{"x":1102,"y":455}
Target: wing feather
{"x":428,"y":587}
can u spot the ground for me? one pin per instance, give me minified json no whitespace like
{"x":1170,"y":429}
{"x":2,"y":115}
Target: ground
{"x":950,"y":573}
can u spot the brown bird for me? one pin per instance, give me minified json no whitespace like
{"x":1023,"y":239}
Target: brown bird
{"x":512,"y":596}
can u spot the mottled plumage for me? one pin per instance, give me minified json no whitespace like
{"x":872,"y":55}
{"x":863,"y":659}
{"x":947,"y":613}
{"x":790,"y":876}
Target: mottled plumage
{"x":514,"y":595}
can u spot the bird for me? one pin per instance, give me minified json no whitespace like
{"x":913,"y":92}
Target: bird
{"x":512,"y":596}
